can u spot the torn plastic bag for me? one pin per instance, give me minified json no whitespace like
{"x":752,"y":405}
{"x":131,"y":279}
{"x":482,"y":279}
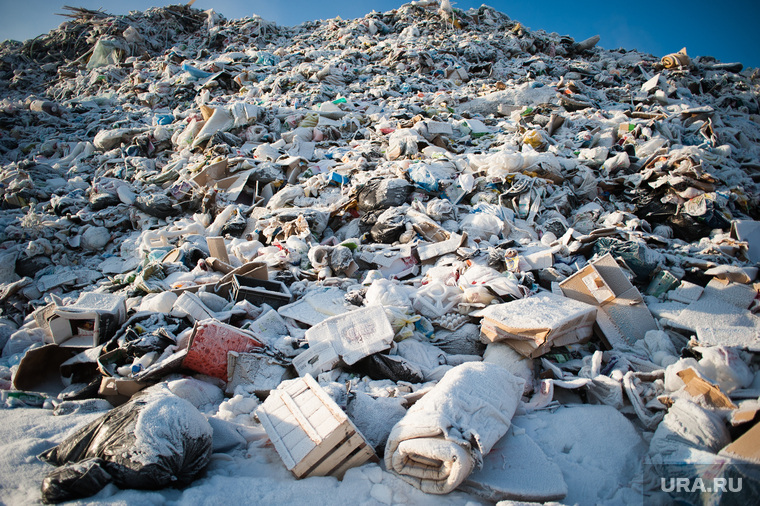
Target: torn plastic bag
{"x":151,"y":442}
{"x":394,"y":368}
{"x":389,"y":226}
{"x":640,"y":259}
{"x":383,"y":193}
{"x":75,"y":481}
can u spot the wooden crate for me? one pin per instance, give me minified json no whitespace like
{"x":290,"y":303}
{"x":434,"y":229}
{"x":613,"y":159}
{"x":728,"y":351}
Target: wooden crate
{"x":310,"y":432}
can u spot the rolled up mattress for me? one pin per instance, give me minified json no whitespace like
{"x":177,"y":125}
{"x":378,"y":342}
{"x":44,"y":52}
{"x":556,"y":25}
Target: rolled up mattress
{"x":445,"y":434}
{"x":676,"y":60}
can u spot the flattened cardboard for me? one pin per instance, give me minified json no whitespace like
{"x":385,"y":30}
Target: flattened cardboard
{"x":697,"y":386}
{"x":623,"y":318}
{"x":218,"y":249}
{"x":39,"y":369}
{"x":747,"y":447}
{"x":212,"y":173}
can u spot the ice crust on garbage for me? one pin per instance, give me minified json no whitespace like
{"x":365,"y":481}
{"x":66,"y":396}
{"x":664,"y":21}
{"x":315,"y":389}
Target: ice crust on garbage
{"x":222,"y":208}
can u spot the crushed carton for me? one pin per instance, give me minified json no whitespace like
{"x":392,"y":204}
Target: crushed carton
{"x":623,"y":317}
{"x":38,"y":369}
{"x":118,"y":390}
{"x":534,"y":324}
{"x":699,"y":387}
{"x":92,"y":319}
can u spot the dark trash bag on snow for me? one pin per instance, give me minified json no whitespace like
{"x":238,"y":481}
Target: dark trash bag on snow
{"x":151,"y":442}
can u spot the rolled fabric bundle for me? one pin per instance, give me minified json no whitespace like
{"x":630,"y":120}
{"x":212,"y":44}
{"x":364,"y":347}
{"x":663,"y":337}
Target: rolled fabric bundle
{"x":673,"y":60}
{"x":445,"y":434}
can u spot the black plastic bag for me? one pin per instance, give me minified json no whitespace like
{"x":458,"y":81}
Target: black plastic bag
{"x":151,"y":442}
{"x":75,"y":481}
{"x":394,"y":368}
{"x":636,"y":255}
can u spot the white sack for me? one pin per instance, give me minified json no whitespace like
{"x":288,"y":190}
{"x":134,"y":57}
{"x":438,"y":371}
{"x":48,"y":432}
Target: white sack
{"x":447,"y":432}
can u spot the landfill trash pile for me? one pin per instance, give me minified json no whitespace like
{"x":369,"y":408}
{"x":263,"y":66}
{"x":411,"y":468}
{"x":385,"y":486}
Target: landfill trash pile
{"x":427,"y":256}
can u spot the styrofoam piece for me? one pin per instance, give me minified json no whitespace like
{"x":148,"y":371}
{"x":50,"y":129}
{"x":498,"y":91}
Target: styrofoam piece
{"x":686,"y":292}
{"x":316,"y":359}
{"x":253,"y":370}
{"x":451,"y":321}
{"x":738,"y":294}
{"x":534,"y":260}
{"x":355,"y":335}
{"x":190,"y":305}
{"x":739,"y":337}
{"x":317,"y":306}
{"x":436,"y":299}
{"x":716,"y":313}
{"x":312,"y":435}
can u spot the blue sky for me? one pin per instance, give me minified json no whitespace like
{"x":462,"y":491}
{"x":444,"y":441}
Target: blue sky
{"x":726,"y":30}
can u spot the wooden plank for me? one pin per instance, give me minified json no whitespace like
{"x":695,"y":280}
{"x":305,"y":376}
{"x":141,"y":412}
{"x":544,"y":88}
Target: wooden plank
{"x":294,"y":438}
{"x":324,"y":421}
{"x":364,"y":454}
{"x":283,"y":450}
{"x":302,"y":420}
{"x":326,"y":399}
{"x":335,"y":458}
{"x":308,"y":404}
{"x":303,"y":450}
{"x":327,"y":446}
{"x":296,"y":388}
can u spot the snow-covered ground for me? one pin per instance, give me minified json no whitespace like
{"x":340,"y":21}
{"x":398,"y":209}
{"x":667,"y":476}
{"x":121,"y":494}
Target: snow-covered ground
{"x":596,"y":448}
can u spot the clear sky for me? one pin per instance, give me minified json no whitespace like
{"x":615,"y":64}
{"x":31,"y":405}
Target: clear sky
{"x":725,"y":29}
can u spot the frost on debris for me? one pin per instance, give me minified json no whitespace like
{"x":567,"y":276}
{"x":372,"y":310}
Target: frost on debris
{"x":374,"y":206}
